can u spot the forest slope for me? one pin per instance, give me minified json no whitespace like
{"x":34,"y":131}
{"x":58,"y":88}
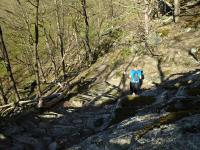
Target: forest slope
{"x":98,"y":113}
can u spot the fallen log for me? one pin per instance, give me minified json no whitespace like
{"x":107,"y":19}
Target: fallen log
{"x":44,"y":102}
{"x":51,"y":100}
{"x":20,"y":103}
{"x":7,"y":105}
{"x":8,"y":111}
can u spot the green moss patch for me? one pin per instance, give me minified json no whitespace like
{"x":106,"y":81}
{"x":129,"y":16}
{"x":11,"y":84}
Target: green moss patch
{"x":170,"y":118}
{"x":107,"y":102}
{"x":126,"y":52}
{"x":129,"y":105}
{"x":178,"y":109}
{"x":167,"y":72}
{"x":137,"y":101}
{"x":163,"y":32}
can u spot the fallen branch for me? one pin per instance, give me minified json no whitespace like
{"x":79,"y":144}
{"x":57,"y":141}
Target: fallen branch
{"x":47,"y":103}
{"x":8,"y":111}
{"x":20,"y":103}
{"x":7,"y":105}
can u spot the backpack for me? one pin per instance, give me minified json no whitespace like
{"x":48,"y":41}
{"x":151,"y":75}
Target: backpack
{"x":135,"y":77}
{"x":142,"y":74}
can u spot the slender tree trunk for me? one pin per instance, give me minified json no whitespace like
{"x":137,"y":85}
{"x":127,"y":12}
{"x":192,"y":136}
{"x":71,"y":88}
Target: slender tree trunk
{"x":31,"y":39}
{"x":176,"y":10}
{"x":30,"y":36}
{"x":4,"y":98}
{"x":89,"y":55}
{"x":7,"y":64}
{"x":27,"y":22}
{"x":146,"y":17}
{"x":111,"y":9}
{"x":41,"y":69}
{"x":29,"y":61}
{"x":60,"y":34}
{"x":51,"y":54}
{"x":37,"y":55}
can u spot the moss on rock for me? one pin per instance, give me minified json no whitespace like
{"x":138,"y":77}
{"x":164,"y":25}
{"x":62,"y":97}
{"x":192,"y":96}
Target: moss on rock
{"x":164,"y":120}
{"x":178,"y":109}
{"x":163,"y":32}
{"x":137,"y":101}
{"x":129,"y":105}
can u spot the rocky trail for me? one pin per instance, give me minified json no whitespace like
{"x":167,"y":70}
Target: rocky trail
{"x":64,"y":125}
{"x":100,"y":115}
{"x":94,"y":110}
{"x":165,"y":123}
{"x":95,"y":119}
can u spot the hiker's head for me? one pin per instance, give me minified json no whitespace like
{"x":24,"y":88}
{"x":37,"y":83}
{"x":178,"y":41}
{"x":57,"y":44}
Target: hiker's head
{"x":135,"y":66}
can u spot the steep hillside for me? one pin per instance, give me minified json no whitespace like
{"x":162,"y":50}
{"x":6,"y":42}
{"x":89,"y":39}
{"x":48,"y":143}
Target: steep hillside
{"x":97,"y":112}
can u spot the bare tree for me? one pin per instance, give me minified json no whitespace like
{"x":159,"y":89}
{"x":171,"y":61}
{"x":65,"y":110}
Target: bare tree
{"x":146,"y":17}
{"x":176,"y":10}
{"x":3,"y":95}
{"x":8,"y":65}
{"x":31,"y":38}
{"x":111,"y":9}
{"x":37,"y":55}
{"x":26,"y":20}
{"x":89,"y":55}
{"x":28,"y":51}
{"x":60,"y":26}
{"x":51,"y":53}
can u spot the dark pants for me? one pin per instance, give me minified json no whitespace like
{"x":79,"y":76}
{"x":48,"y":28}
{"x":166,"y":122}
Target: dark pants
{"x":134,"y":87}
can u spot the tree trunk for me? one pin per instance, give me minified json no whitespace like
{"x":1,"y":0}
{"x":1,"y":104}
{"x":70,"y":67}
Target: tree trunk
{"x":41,"y":70}
{"x":29,"y":60}
{"x":176,"y":10}
{"x":37,"y":55}
{"x":146,"y":18}
{"x":4,"y":98}
{"x":60,"y":34}
{"x":51,"y":55}
{"x":7,"y":64}
{"x":111,"y":10}
{"x":89,"y":55}
{"x":31,"y":39}
{"x":26,"y":20}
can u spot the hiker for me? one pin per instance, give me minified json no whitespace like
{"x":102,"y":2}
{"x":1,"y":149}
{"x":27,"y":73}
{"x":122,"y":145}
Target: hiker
{"x":136,"y":78}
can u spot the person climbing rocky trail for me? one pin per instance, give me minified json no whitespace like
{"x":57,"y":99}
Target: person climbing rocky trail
{"x":99,"y":75}
{"x":69,"y":124}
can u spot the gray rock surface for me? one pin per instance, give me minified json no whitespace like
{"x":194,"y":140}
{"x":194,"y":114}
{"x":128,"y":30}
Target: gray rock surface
{"x":91,"y":127}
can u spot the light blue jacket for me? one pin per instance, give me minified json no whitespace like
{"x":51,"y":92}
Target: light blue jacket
{"x":135,"y":78}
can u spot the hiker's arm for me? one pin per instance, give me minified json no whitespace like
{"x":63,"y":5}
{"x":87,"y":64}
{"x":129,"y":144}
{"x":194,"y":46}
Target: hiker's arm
{"x":140,"y":75}
{"x":129,"y":76}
